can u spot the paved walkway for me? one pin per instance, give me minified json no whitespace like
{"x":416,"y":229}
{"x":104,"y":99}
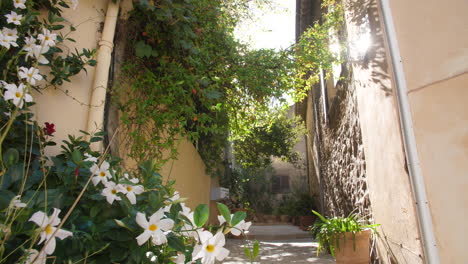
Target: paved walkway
{"x":278,"y":244}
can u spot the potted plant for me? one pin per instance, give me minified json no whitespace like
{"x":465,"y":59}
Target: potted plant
{"x":347,"y":238}
{"x":304,"y":206}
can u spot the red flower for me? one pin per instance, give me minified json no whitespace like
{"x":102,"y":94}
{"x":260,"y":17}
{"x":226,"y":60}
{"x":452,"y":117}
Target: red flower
{"x":49,"y":128}
{"x":144,"y":34}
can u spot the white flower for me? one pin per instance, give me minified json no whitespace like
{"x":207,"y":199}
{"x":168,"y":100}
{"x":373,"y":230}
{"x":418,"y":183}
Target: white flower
{"x":48,"y":227}
{"x":154,"y":228}
{"x":37,"y":52}
{"x":14,"y":18}
{"x":169,"y":203}
{"x":74,"y":4}
{"x":29,"y":43}
{"x":7,"y":41}
{"x":16,"y":202}
{"x":19,"y":4}
{"x":12,"y":33}
{"x":34,"y":257}
{"x":236,"y":230}
{"x":110,"y":192}
{"x":179,"y":259}
{"x":17,"y":94}
{"x":90,"y":158}
{"x":130,"y":191}
{"x":31,"y":75}
{"x":211,"y":248}
{"x":101,"y":173}
{"x":47,"y":38}
{"x":133,"y":180}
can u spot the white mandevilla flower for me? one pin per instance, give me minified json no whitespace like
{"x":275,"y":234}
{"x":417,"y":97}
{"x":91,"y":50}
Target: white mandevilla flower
{"x":170,"y":201}
{"x":16,"y":202}
{"x":12,"y":33}
{"x":38,"y":51}
{"x":29,"y":43}
{"x":74,"y":4}
{"x":17,"y":94}
{"x":19,"y":4}
{"x":154,"y":228}
{"x":14,"y":18}
{"x":236,"y":230}
{"x":131,"y":191}
{"x":110,"y":192}
{"x":31,"y":75}
{"x":48,"y":227}
{"x":211,"y":248}
{"x":47,"y":38}
{"x":34,"y":257}
{"x":179,"y":259}
{"x":8,"y":37}
{"x":91,"y":158}
{"x":132,"y":180}
{"x":102,"y":173}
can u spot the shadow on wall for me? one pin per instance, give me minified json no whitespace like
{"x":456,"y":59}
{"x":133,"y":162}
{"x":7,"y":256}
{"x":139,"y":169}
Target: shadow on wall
{"x":365,"y":29}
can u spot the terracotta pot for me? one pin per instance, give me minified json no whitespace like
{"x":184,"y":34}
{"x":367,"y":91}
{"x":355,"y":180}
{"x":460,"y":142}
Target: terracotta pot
{"x":345,"y":253}
{"x":306,"y":221}
{"x":285,"y":218}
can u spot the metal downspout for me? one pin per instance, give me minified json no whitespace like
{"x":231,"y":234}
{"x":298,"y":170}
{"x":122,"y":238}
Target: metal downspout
{"x":431,"y":251}
{"x":101,"y":77}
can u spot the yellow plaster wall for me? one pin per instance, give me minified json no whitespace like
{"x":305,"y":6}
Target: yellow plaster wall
{"x":433,"y":41}
{"x":188,"y":170}
{"x":440,"y":117}
{"x":69,"y":112}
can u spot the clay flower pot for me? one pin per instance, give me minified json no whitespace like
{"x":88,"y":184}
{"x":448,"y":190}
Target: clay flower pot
{"x":345,"y":252}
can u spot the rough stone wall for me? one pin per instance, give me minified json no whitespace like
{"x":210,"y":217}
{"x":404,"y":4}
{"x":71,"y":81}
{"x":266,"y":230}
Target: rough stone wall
{"x":343,"y":162}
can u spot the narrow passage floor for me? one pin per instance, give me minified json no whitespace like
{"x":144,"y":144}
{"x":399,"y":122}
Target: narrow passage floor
{"x":279,"y":243}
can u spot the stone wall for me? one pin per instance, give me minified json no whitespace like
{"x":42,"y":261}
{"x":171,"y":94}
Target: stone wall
{"x":343,"y":162}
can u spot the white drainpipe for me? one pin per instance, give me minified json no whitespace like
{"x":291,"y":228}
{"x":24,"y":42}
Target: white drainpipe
{"x":101,"y":77}
{"x":431,"y":251}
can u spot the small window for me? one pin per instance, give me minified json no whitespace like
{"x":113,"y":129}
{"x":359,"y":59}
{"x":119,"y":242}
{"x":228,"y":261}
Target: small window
{"x":280,"y":184}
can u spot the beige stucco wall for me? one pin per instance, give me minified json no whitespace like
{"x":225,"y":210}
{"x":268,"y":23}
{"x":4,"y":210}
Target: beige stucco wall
{"x":388,"y":182}
{"x":440,"y":115}
{"x":433,"y":41}
{"x":69,"y":112}
{"x":188,"y":170}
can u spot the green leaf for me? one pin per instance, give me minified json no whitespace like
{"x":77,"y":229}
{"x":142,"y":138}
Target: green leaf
{"x":176,"y":243}
{"x":213,"y":94}
{"x":76,"y":156}
{"x":94,"y":211}
{"x":224,"y":210}
{"x":238,"y":217}
{"x":143,"y":50}
{"x":256,"y":249}
{"x":201,"y":214}
{"x":247,"y":253}
{"x":10,"y":157}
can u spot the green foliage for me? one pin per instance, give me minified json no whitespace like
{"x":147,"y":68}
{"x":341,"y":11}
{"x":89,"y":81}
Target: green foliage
{"x":186,"y":76}
{"x":329,"y":231}
{"x":297,"y":204}
{"x":312,"y":52}
{"x":276,"y":136}
{"x":252,"y":254}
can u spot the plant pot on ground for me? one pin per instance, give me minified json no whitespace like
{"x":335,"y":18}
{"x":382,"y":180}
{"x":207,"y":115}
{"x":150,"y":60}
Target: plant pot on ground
{"x":353,"y":248}
{"x":346,"y":238}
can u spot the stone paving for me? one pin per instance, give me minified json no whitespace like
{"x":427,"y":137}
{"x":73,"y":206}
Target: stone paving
{"x":278,"y":244}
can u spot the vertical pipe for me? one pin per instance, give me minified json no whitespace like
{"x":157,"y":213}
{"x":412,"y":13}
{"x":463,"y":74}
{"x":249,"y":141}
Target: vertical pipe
{"x":101,"y":77}
{"x":430,"y":248}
